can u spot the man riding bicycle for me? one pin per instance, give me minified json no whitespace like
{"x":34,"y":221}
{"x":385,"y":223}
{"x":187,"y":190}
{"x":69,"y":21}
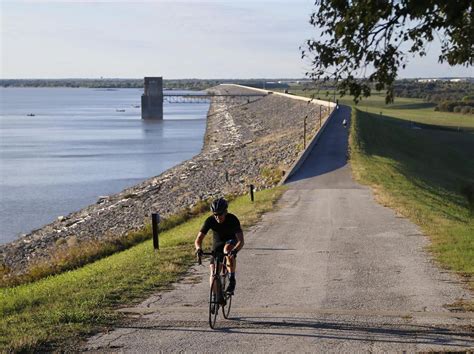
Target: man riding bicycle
{"x":228,"y":237}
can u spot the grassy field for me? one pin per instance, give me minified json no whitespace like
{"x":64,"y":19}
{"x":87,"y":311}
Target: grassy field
{"x":411,"y":109}
{"x":424,"y":174}
{"x":56,"y":312}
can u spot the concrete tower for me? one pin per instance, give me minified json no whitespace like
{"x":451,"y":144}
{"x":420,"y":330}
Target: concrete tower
{"x":152,"y":99}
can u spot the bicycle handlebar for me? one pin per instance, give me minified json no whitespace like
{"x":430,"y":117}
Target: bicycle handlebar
{"x":199,"y":256}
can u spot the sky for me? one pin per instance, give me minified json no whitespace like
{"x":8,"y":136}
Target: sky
{"x":213,"y":39}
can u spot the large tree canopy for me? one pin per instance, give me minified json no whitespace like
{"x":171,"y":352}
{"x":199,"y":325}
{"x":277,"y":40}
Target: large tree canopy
{"x":366,"y":42}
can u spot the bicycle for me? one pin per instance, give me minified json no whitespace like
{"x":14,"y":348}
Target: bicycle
{"x":218,"y":284}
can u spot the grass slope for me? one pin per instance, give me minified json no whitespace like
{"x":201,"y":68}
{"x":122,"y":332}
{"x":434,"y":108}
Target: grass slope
{"x":422,"y":174}
{"x":53,"y":313}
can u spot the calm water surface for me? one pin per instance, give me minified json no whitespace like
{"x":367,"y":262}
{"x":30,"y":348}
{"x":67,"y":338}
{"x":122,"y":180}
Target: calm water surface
{"x":79,"y":145}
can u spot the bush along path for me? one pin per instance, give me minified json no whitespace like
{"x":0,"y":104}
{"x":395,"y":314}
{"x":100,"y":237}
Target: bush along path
{"x":252,"y":143}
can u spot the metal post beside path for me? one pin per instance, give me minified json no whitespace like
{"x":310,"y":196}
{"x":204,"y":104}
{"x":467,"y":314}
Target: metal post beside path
{"x":251,"y":192}
{"x":155,"y":220}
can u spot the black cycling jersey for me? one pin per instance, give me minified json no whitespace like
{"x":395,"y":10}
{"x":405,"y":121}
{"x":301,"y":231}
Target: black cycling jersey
{"x":222,"y":232}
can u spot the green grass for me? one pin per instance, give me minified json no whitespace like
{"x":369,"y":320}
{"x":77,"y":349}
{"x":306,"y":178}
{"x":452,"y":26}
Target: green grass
{"x":54,"y":313}
{"x":422,"y":174}
{"x":411,"y":109}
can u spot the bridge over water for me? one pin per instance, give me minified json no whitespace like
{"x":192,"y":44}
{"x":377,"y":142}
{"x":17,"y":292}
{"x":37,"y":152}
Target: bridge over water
{"x":204,"y":98}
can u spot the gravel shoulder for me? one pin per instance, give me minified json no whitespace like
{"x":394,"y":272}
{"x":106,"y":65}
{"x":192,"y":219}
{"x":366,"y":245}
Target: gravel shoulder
{"x":329,"y":271}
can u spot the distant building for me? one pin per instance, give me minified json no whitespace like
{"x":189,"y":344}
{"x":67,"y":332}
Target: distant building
{"x":428,"y":80}
{"x":457,"y":79}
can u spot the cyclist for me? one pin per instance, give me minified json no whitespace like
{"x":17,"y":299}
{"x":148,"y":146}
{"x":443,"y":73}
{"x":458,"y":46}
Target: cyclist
{"x":228,"y":237}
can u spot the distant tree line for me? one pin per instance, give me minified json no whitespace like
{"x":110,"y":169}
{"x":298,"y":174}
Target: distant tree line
{"x":74,"y":83}
{"x":185,"y":84}
{"x":181,"y":84}
{"x":447,"y":95}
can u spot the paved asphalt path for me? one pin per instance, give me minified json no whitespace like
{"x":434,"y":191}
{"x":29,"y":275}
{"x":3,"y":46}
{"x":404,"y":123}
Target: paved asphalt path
{"x":329,"y":271}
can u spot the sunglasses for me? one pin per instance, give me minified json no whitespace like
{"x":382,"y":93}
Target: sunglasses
{"x":219,"y":214}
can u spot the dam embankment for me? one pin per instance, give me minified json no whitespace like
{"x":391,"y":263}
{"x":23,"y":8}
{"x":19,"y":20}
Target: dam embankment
{"x":251,"y":143}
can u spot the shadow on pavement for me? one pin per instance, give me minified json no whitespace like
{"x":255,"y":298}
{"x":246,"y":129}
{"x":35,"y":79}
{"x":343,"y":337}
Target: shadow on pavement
{"x":323,"y":329}
{"x":269,"y":249}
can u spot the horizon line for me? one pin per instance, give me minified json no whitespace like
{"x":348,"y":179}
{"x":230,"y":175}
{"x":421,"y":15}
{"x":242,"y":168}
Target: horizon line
{"x":221,"y":79}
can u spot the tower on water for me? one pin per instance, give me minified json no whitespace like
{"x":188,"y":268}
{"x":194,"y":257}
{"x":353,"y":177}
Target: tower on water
{"x":152,"y":98}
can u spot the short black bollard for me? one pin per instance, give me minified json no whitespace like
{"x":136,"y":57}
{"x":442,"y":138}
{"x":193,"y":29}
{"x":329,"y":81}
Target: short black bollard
{"x":155,"y":220}
{"x":251,"y":192}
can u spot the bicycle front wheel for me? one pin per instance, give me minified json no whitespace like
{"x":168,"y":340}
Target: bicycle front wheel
{"x":226,"y":307}
{"x":228,"y":297}
{"x":213,"y":304}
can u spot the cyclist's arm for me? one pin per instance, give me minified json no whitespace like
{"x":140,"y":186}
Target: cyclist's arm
{"x":240,"y":241}
{"x":198,"y":241}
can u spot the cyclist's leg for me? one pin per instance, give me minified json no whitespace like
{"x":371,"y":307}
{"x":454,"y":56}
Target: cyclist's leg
{"x":218,"y":251}
{"x":211,"y":269}
{"x":231,"y":265}
{"x":231,"y":262}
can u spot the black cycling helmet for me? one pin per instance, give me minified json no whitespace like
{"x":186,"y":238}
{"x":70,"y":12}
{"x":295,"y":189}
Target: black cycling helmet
{"x":219,"y":206}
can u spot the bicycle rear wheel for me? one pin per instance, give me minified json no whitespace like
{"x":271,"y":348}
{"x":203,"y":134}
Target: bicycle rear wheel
{"x":213,"y":304}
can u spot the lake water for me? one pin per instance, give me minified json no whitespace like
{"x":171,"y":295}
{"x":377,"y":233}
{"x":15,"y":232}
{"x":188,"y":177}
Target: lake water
{"x":80,"y":145}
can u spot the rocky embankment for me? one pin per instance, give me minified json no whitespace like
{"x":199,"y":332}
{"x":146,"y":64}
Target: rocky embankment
{"x":245,"y":143}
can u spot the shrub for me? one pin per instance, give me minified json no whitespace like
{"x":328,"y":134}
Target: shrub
{"x":454,"y":106}
{"x":468,"y":192}
{"x":443,"y":106}
{"x":468,"y":98}
{"x":272,"y":175}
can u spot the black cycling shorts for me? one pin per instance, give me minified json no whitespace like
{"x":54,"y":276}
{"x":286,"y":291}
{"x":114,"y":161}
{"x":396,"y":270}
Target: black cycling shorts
{"x":219,"y":251}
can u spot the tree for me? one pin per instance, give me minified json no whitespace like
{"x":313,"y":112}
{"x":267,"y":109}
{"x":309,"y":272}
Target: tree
{"x":379,"y":35}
